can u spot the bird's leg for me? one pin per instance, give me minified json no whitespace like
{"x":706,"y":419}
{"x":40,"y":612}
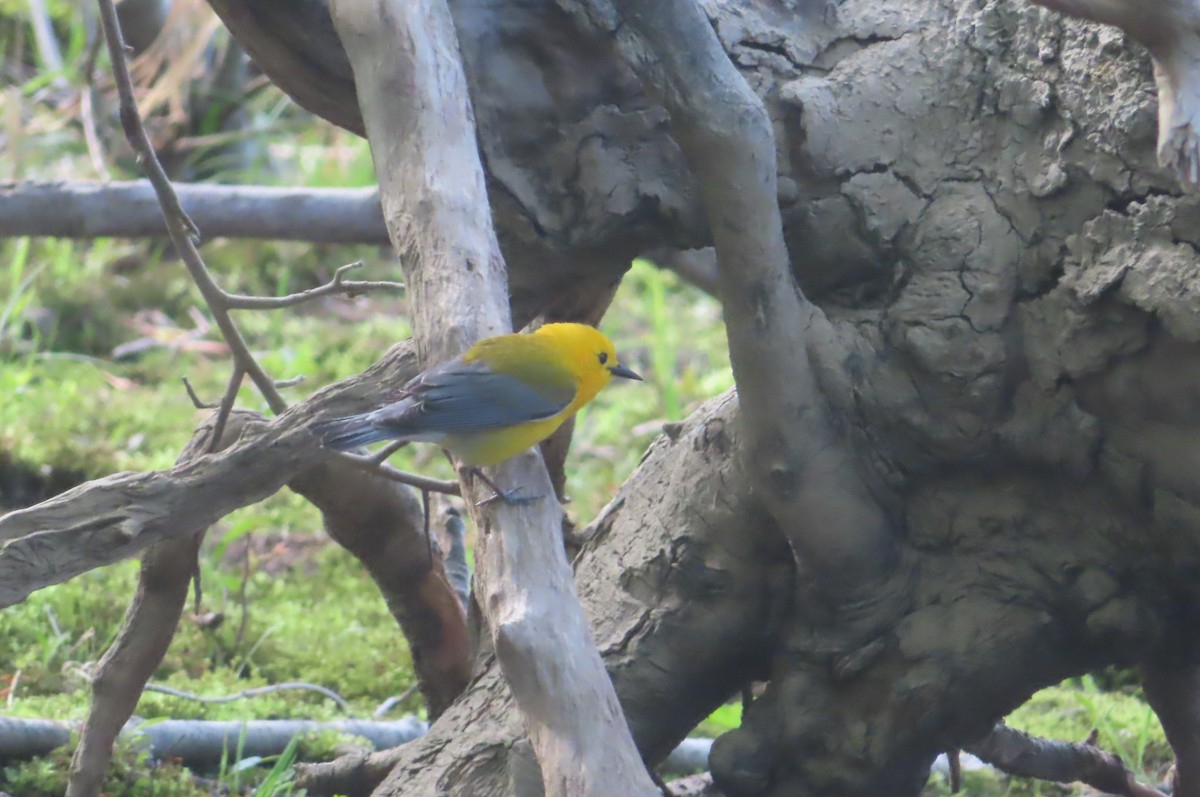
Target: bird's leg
{"x":507,"y":496}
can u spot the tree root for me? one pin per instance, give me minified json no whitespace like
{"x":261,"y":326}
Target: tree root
{"x":1174,"y":694}
{"x":354,"y":775}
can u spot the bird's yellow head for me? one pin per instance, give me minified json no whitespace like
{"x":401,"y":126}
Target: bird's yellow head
{"x":590,"y":355}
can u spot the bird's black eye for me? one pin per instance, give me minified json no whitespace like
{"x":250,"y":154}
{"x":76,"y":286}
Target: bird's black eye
{"x":603,"y":357}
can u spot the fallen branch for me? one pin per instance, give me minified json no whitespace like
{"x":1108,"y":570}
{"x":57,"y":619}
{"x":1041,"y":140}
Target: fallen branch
{"x":131,"y":210}
{"x":200,"y":743}
{"x":1173,"y":691}
{"x":1019,"y":753}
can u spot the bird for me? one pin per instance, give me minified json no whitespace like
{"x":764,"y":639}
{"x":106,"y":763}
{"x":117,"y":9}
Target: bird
{"x":502,"y":396}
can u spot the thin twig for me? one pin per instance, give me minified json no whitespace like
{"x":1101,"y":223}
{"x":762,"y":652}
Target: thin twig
{"x":197,"y":587}
{"x":87,"y":110}
{"x":428,"y":533}
{"x":244,"y":605}
{"x":12,"y":689}
{"x":182,"y":230}
{"x":196,"y":401}
{"x":411,"y":479}
{"x":237,"y":301}
{"x":226,"y":407}
{"x":47,"y":45}
{"x":295,"y":380}
{"x":382,"y":455}
{"x":392,"y":702}
{"x":258,"y":690}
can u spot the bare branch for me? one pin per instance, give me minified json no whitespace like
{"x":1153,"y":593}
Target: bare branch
{"x":411,"y":479}
{"x":382,"y":455}
{"x":131,"y":210}
{"x":342,"y":705}
{"x":109,"y":519}
{"x":390,"y":703}
{"x":200,"y":743}
{"x":226,"y":406}
{"x":181,"y":228}
{"x":1019,"y":753}
{"x":87,"y":114}
{"x":197,"y":402}
{"x":337,"y":285}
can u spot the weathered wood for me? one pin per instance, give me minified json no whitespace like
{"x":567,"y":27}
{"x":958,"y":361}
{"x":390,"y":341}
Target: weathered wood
{"x":684,"y":584}
{"x":201,"y":743}
{"x":113,"y":518}
{"x":1171,"y":31}
{"x":146,"y":633}
{"x":802,"y":463}
{"x":130,"y":210}
{"x":435,"y":203}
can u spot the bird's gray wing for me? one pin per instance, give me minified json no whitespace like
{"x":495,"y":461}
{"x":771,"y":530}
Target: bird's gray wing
{"x":459,"y":398}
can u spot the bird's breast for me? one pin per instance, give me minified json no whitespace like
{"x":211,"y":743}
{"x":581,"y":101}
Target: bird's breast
{"x":491,"y":447}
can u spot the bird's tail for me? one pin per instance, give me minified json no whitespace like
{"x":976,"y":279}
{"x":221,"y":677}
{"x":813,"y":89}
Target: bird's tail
{"x":344,"y":434}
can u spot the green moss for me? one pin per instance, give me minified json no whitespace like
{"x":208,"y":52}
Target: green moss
{"x":131,"y":774}
{"x":329,"y":744}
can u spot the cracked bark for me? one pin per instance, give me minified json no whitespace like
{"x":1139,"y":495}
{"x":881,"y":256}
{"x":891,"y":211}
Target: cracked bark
{"x":1009,"y":355}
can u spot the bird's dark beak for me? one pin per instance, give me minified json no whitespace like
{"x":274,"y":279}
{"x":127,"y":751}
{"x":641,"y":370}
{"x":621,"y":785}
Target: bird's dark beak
{"x":623,"y":372}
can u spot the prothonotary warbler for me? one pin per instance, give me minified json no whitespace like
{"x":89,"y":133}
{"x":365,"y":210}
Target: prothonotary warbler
{"x":504,"y":395}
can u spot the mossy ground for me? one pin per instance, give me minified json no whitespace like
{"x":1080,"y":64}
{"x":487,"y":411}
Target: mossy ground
{"x":295,"y":606}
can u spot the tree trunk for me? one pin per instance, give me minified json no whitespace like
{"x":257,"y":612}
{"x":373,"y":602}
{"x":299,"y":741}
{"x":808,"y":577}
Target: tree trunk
{"x":970,"y":436}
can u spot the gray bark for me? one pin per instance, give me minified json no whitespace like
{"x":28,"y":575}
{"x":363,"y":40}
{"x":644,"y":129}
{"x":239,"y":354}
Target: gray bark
{"x":1005,"y":270}
{"x":130,"y":210}
{"x":685,"y":584}
{"x":201,"y":744}
{"x":970,"y":197}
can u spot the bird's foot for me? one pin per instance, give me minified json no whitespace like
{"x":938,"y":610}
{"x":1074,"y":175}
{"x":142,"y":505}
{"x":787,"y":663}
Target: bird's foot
{"x":511,"y":497}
